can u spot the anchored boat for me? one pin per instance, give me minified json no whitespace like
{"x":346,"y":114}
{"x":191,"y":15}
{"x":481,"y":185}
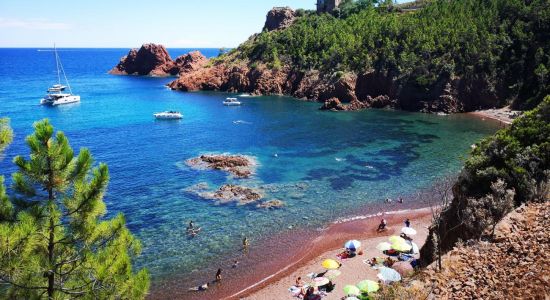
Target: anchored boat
{"x":231,"y":102}
{"x":168,"y":115}
{"x":55,"y":95}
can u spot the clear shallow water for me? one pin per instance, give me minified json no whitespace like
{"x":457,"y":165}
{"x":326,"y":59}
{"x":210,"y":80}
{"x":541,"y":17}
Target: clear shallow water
{"x":327,"y":164}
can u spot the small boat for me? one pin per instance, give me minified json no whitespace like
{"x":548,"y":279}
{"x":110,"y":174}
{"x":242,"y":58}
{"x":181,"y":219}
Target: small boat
{"x":55,"y":94}
{"x":168,"y":115}
{"x":231,"y":102}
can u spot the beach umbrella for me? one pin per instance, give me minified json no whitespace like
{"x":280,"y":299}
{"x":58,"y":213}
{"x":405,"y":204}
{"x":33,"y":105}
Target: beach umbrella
{"x":404,"y":268}
{"x":331,"y":274}
{"x":396,"y":239}
{"x":388,"y":274}
{"x":320,"y":281}
{"x":408,"y":231}
{"x":353,"y":245}
{"x":351,"y":290}
{"x":384,"y":246}
{"x":330,"y":264}
{"x":415,"y":248}
{"x":402,"y":247}
{"x":368,"y":286}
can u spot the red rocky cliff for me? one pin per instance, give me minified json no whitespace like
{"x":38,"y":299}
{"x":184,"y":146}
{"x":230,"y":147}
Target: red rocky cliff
{"x":154,"y":60}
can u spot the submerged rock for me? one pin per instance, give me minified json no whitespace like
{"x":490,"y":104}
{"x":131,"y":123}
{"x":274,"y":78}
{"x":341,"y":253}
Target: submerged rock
{"x":227,"y":193}
{"x":238,"y":165}
{"x":275,"y":203}
{"x":235,"y":193}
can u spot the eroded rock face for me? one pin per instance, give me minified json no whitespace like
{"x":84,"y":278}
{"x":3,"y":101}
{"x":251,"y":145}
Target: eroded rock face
{"x":514,"y":263}
{"x":190,"y":62}
{"x":154,"y":60}
{"x":150,"y":59}
{"x":238,"y":165}
{"x":279,"y":18}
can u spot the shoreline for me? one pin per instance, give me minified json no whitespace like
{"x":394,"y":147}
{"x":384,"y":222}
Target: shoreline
{"x":339,"y":233}
{"x":258,"y":270}
{"x":504,"y":116}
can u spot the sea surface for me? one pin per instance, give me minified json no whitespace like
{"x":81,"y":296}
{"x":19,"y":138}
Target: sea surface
{"x":323,"y":165}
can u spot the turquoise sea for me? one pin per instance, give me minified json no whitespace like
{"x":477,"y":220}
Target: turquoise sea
{"x":326,"y":166}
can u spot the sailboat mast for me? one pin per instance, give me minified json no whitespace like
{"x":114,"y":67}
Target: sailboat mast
{"x":57,"y":64}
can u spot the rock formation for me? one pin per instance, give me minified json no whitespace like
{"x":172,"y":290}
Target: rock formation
{"x":279,"y":18}
{"x":154,"y":60}
{"x":235,"y":193}
{"x":515,"y":265}
{"x":271,"y":204}
{"x":238,"y":165}
{"x":227,"y":193}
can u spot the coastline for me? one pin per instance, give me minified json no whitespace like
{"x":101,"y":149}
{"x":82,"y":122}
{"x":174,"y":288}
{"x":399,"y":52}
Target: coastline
{"x":504,"y":116}
{"x":329,"y":244}
{"x":290,"y":251}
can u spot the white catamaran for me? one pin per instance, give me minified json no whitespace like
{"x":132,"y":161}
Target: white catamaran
{"x":56,"y":94}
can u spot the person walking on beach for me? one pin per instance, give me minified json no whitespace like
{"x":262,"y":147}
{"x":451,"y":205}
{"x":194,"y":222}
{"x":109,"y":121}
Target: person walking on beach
{"x":219,"y":275}
{"x":407,"y":223}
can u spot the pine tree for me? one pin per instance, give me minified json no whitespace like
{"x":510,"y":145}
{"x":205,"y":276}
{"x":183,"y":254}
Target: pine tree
{"x":6,"y":134}
{"x":54,"y":241}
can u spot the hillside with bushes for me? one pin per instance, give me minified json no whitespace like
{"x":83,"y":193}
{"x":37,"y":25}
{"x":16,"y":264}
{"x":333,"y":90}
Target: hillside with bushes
{"x":449,"y":56}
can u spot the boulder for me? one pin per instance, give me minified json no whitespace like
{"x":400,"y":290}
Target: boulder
{"x":333,"y":104}
{"x":279,"y":18}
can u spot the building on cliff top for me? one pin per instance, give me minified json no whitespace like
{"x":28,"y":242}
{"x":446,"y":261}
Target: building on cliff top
{"x":327,"y":5}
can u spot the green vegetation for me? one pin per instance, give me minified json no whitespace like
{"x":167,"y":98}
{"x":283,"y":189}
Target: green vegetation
{"x":519,"y":155}
{"x":54,"y":241}
{"x":499,"y":46}
{"x":6,"y":134}
{"x":503,"y":171}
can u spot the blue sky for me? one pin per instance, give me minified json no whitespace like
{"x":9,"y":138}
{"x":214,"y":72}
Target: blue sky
{"x":124,"y":23}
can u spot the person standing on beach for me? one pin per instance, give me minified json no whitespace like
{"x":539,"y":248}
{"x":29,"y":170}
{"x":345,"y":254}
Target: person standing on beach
{"x":219,"y":275}
{"x":245,"y":243}
{"x":407,"y":223}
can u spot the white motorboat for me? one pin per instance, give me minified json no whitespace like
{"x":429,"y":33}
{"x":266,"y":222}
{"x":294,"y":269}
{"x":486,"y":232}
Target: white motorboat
{"x":168,"y":115}
{"x":231,"y":102}
{"x":55,"y":96}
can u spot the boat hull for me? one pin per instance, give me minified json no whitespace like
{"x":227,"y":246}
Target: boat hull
{"x":60,"y":101}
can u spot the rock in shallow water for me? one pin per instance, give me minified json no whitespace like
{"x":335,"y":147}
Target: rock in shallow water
{"x":239,"y":166}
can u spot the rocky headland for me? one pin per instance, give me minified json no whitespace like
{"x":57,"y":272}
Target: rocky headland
{"x":285,"y":60}
{"x":240,"y":166}
{"x":154,"y":60}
